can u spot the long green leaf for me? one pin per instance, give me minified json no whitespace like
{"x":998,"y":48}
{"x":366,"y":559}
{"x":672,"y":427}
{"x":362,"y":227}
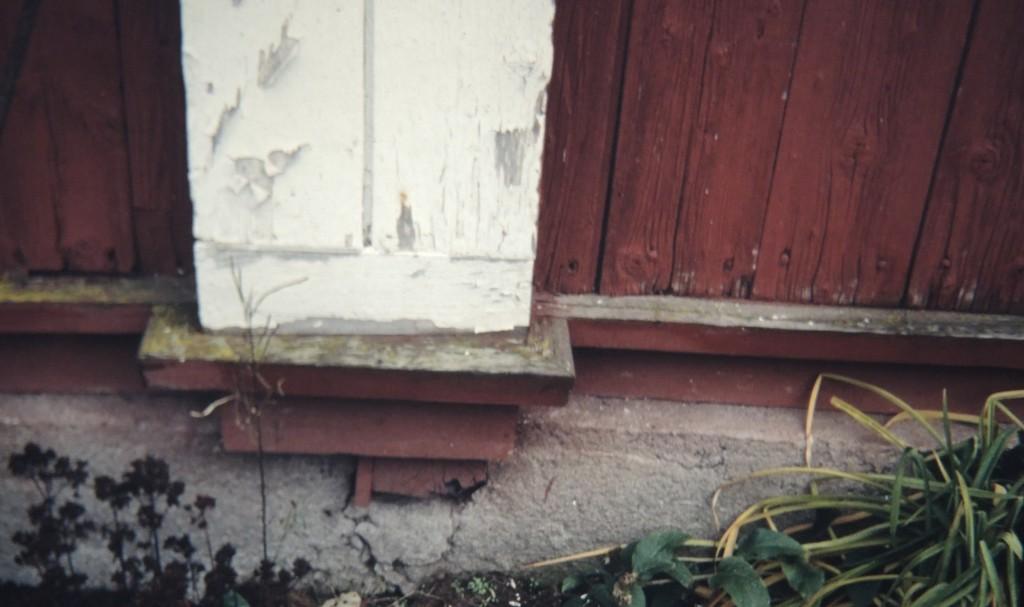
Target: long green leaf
{"x":933,"y":594}
{"x":990,"y":457}
{"x":968,"y":517}
{"x":949,"y":546}
{"x":892,"y":399}
{"x":868,"y":422}
{"x":896,"y":496}
{"x":1012,"y":577}
{"x":1013,"y":543}
{"x":989,"y":568}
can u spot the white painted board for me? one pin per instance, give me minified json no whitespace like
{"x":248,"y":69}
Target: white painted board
{"x":424,"y":293}
{"x":457,"y":107}
{"x":274,"y":105}
{"x":386,"y":153}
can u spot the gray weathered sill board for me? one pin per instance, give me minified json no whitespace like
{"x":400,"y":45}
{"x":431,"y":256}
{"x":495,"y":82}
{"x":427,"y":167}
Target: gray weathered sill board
{"x":780,"y":317}
{"x":174,"y":335}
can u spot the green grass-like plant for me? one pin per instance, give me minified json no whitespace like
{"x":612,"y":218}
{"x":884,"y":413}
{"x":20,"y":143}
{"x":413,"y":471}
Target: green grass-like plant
{"x":942,"y":528}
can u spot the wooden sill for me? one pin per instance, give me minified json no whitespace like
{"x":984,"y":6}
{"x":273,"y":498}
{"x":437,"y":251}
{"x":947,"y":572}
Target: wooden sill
{"x":477,"y":369}
{"x":766,"y":330}
{"x":376,"y":428}
{"x":86,"y":305}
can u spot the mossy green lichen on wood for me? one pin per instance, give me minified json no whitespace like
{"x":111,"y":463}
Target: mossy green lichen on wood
{"x":174,"y":334}
{"x":96,"y":290}
{"x":783,"y":316}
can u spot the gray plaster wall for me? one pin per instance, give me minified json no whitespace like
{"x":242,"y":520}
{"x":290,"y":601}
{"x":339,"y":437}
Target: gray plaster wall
{"x":596,"y":472}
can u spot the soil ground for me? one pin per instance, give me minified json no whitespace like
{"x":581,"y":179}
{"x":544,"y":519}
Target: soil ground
{"x":476,"y":590}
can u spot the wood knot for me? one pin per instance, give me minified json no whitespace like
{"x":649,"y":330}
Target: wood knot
{"x":984,"y":159}
{"x":637,"y":264}
{"x":721,"y":55}
{"x":857,"y":148}
{"x":673,"y":26}
{"x":784,"y":258}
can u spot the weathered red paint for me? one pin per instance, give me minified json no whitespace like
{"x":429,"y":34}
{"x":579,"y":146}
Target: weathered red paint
{"x":362,"y":491}
{"x":338,"y":382}
{"x":375,"y":428}
{"x":70,"y":364}
{"x":92,"y":161}
{"x":747,"y":68}
{"x":970,"y":255}
{"x":697,"y":378}
{"x":660,"y":103}
{"x":154,"y":113}
{"x":28,"y":220}
{"x":808,"y":345}
{"x":83,"y":105}
{"x":582,"y":114}
{"x":80,"y":318}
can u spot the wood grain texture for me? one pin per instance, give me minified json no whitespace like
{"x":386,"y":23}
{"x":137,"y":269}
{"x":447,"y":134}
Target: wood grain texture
{"x":82,"y":101}
{"x":70,"y":364}
{"x":799,"y":318}
{"x":661,"y":96}
{"x":88,"y":319}
{"x":742,"y":104}
{"x":154,"y":114}
{"x":817,"y":345}
{"x":454,"y":388}
{"x":782,"y":383}
{"x":869,"y":97}
{"x":583,"y":105}
{"x":28,"y":222}
{"x":380,"y":429}
{"x":970,"y":255}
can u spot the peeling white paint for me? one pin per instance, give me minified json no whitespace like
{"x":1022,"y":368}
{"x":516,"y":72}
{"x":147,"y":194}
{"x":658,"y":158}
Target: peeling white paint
{"x":388,"y":151}
{"x":267,"y":78}
{"x":458,"y":103}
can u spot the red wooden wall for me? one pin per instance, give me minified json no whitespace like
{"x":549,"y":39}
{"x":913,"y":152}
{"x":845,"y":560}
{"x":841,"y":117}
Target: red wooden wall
{"x":92,"y":156}
{"x":855,"y":152}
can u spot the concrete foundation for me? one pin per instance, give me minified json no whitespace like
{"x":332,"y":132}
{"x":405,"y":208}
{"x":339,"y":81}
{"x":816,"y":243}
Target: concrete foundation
{"x":595,"y":472}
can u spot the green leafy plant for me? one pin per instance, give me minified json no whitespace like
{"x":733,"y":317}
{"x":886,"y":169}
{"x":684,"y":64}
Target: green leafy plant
{"x":480,"y":589}
{"x":942,"y":528}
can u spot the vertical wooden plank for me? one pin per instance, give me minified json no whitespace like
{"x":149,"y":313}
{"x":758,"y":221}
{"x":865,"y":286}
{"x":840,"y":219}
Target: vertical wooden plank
{"x":82,"y":104}
{"x":868,"y":104}
{"x":970,"y":255}
{"x":154,"y":105}
{"x":28,"y":223}
{"x":742,"y":104}
{"x":664,"y":65}
{"x":583,"y":104}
